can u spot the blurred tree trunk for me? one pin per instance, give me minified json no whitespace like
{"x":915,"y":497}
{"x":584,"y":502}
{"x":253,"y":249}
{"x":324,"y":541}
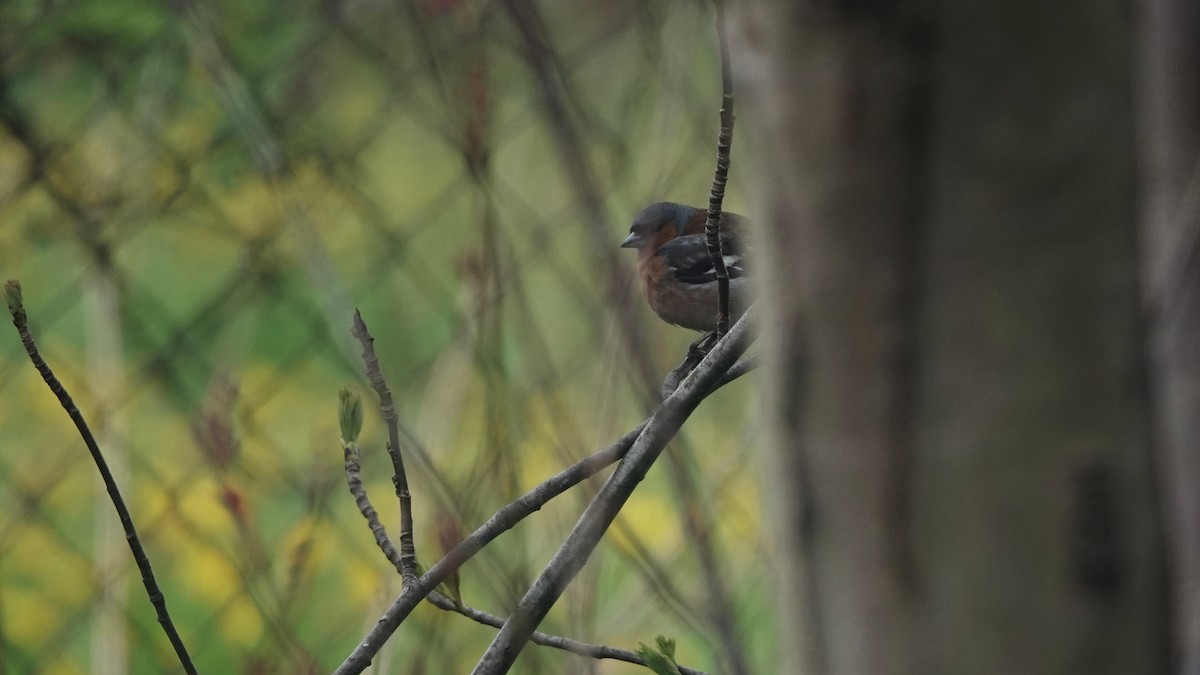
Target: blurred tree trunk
{"x":1169,"y":153}
{"x":959,"y":416}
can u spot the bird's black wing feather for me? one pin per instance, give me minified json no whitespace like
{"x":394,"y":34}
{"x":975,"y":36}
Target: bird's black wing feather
{"x":687,"y":258}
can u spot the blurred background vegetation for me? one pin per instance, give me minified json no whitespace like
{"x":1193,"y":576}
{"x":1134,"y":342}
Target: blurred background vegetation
{"x":197,"y":193}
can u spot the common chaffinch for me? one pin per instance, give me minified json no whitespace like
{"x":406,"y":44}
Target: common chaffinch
{"x":676,"y":271}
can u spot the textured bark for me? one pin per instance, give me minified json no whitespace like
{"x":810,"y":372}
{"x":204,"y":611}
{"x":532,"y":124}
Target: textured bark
{"x":964,"y":481}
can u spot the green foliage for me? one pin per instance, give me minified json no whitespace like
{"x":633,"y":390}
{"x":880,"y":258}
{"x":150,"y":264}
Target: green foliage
{"x":350,"y":414}
{"x":12,"y":295}
{"x":111,"y":25}
{"x":661,"y":660}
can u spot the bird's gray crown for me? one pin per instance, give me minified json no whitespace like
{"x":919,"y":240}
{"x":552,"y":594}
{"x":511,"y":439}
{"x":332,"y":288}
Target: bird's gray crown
{"x":661,"y":213}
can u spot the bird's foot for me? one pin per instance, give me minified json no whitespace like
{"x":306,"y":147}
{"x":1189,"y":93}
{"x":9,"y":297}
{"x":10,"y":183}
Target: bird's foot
{"x":700,"y":348}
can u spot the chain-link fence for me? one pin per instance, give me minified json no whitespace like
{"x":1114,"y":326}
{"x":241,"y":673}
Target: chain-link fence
{"x":197,"y":194}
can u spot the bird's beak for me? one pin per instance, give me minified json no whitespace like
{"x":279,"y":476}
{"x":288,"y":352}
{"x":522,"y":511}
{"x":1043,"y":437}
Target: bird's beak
{"x":632,"y":241}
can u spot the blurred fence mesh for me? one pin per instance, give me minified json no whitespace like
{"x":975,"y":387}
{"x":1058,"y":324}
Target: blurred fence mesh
{"x":197,"y":194}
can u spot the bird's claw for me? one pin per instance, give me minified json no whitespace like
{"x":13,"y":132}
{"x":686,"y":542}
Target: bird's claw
{"x":700,"y":348}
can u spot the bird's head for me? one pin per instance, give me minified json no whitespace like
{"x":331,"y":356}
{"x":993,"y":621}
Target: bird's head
{"x":651,"y":222}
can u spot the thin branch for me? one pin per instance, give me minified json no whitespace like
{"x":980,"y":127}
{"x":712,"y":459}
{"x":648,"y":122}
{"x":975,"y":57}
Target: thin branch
{"x":712,"y":227}
{"x":500,"y":522}
{"x":12,"y":294}
{"x":553,"y":88}
{"x":408,"y":549}
{"x":547,"y":640}
{"x":574,"y":552}
{"x":721,"y":613}
{"x":445,"y":603}
{"x":697,"y":527}
{"x":743,"y":366}
{"x":507,"y":518}
{"x":354,"y":482}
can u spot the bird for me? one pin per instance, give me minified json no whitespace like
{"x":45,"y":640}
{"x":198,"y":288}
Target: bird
{"x":676,"y":272}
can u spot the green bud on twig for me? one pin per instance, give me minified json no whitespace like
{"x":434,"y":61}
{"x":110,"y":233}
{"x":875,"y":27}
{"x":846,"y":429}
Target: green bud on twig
{"x":662,"y":659}
{"x":350,"y":414}
{"x":12,"y":295}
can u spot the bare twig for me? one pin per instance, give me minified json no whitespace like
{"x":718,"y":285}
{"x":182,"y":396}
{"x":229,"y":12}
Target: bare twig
{"x":507,"y":518}
{"x":408,"y":550}
{"x":721,"y":614}
{"x":721,"y":607}
{"x":547,"y":640}
{"x":354,"y":482}
{"x":12,"y":294}
{"x":502,"y":521}
{"x":553,"y":88}
{"x":712,"y":228}
{"x":445,"y":603}
{"x":743,"y":366}
{"x":574,"y":552}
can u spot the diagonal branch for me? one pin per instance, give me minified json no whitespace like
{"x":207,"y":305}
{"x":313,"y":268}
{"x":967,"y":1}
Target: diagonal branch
{"x":511,"y":514}
{"x":575,"y":551}
{"x":554,"y":88}
{"x":408,"y":549}
{"x":354,"y":481}
{"x":721,"y":612}
{"x":12,"y":294}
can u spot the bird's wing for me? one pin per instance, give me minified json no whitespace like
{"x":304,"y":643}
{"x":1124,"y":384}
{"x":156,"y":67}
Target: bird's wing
{"x":687,"y":258}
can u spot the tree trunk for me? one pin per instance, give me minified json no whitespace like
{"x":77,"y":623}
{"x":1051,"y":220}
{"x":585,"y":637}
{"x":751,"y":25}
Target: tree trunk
{"x":1169,"y":154}
{"x":951,"y":295}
